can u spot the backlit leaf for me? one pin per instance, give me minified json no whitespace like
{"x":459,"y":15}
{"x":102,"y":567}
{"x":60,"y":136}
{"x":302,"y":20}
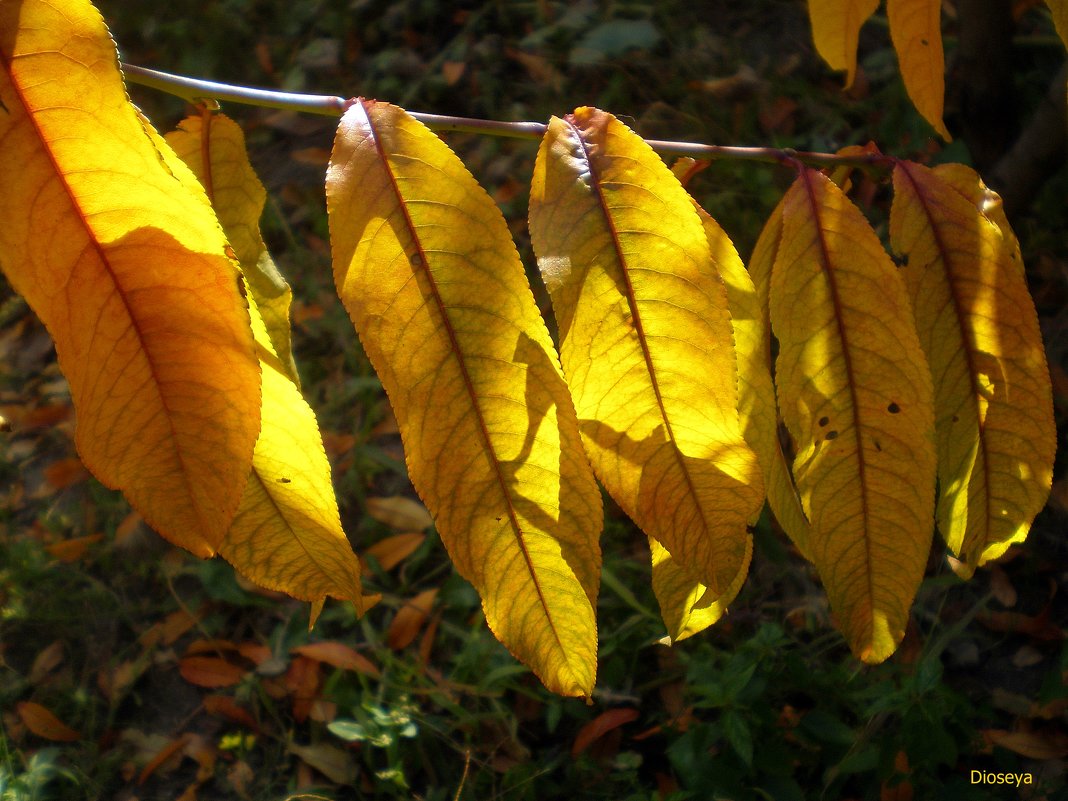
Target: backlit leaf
{"x":855,"y":393}
{"x":782,"y":494}
{"x":287,"y":533}
{"x":685,"y":604}
{"x":994,"y":427}
{"x":645,"y":341}
{"x":916,"y":30}
{"x":426,"y":267}
{"x":214,"y":148}
{"x":836,"y":30}
{"x":1059,"y":10}
{"x":128,"y":271}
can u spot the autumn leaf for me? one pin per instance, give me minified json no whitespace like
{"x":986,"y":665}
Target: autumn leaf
{"x":127,"y":269}
{"x":287,"y":533}
{"x":763,"y":421}
{"x":399,"y":512}
{"x":340,"y":656}
{"x":43,"y":722}
{"x":600,"y":726}
{"x":425,"y":265}
{"x":393,"y":550}
{"x":836,"y":30}
{"x":686,"y":605}
{"x":855,"y":393}
{"x":210,"y":671}
{"x":1059,"y":10}
{"x":213,"y":146}
{"x":994,"y":427}
{"x":409,"y":619}
{"x":645,"y":341}
{"x":916,"y":31}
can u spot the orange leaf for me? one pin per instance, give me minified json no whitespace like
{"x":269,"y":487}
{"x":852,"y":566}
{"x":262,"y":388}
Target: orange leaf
{"x":302,"y":681}
{"x":1034,"y":745}
{"x":340,"y":656}
{"x":209,"y":647}
{"x":210,"y":671}
{"x":168,"y":630}
{"x":43,"y":723}
{"x":409,"y":619}
{"x":902,"y":790}
{"x":225,"y":707}
{"x":131,"y":279}
{"x":173,"y":748}
{"x":72,"y":550}
{"x":391,"y":551}
{"x":65,"y":473}
{"x":254,"y":652}
{"x":47,"y":660}
{"x":600,"y":726}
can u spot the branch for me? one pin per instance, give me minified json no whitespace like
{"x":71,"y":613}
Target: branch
{"x":195,"y":90}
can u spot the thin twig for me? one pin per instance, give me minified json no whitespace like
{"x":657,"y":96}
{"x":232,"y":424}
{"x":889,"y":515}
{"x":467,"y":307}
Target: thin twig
{"x":195,"y":90}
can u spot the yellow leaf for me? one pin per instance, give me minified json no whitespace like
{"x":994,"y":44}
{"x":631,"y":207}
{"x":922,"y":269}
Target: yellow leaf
{"x":836,"y":30}
{"x":213,"y":146}
{"x":855,"y":393}
{"x":287,"y":533}
{"x":425,"y":265}
{"x":128,"y":271}
{"x":916,"y":30}
{"x":646,"y":341}
{"x":763,"y":429}
{"x":1059,"y":10}
{"x":994,"y":428}
{"x":683,"y":603}
{"x":686,"y":605}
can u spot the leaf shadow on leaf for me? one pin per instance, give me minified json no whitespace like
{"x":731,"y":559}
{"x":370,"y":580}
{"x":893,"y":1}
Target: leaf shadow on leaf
{"x":657,"y":458}
{"x":541,"y":397}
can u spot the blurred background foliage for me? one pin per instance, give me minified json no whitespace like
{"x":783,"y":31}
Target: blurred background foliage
{"x":102,"y":621}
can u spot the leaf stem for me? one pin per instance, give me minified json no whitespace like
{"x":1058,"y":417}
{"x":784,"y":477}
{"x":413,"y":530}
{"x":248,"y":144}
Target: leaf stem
{"x":196,"y":90}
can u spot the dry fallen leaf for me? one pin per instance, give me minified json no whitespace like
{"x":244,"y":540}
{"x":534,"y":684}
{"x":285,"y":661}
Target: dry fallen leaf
{"x":409,"y":620}
{"x":403,"y":514}
{"x":599,"y":726}
{"x":44,"y":723}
